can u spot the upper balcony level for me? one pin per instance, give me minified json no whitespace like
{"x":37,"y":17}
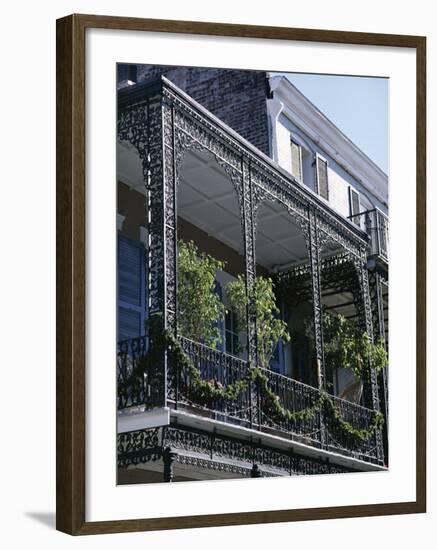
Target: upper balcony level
{"x":205,"y":184}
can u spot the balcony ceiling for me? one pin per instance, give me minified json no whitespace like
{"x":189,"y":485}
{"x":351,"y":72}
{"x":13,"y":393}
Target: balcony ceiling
{"x":208,"y":200}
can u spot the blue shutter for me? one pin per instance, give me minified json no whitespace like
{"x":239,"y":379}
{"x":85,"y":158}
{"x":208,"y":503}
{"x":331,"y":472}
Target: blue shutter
{"x":277,"y":362}
{"x":132,"y":288}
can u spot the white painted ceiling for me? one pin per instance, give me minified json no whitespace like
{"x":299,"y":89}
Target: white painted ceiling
{"x":207,"y":199}
{"x":279,"y":241}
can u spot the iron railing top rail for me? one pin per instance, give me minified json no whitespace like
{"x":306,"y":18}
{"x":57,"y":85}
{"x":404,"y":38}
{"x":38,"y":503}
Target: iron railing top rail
{"x":209,"y":348}
{"x":313,"y":388}
{"x":352,"y":403}
{"x":281,"y":376}
{"x":132,"y":96}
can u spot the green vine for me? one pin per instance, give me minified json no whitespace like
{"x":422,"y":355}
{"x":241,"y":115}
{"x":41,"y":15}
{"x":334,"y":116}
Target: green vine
{"x":206,"y":390}
{"x":376,"y":422}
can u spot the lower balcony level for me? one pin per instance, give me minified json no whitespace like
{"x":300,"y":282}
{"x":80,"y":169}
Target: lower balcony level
{"x":185,"y":453}
{"x":225,"y":397}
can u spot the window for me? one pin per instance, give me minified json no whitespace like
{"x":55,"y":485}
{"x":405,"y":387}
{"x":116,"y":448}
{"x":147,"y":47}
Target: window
{"x":354,"y":205}
{"x":228,"y":329}
{"x":277,"y":363}
{"x":296,"y":161}
{"x":132,"y":289}
{"x":231,"y":334}
{"x":322,"y":177}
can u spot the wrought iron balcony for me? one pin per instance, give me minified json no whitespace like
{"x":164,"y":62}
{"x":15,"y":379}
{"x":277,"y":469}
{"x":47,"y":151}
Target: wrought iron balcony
{"x":168,"y":129}
{"x":375,"y":223}
{"x":252,"y":408}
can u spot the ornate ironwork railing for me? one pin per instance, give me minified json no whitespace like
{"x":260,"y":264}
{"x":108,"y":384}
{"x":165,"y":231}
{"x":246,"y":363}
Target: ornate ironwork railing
{"x":312,"y":423}
{"x":294,"y":396}
{"x":339,"y":441}
{"x":375,"y":223}
{"x":132,"y":375}
{"x":215,"y":366}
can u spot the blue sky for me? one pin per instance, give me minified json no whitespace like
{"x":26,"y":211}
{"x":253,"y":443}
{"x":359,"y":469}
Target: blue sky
{"x":357,"y":105}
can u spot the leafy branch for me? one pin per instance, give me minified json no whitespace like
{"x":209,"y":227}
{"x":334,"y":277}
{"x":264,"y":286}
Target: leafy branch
{"x":346,"y":346}
{"x":200,"y":309}
{"x":260,"y":301}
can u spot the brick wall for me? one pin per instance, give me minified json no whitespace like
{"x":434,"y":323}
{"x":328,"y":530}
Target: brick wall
{"x":236,"y":97}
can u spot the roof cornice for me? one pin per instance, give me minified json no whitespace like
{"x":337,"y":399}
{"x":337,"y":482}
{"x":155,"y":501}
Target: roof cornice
{"x":328,"y":137}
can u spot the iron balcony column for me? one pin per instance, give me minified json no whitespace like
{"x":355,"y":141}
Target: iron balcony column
{"x":247,"y":211}
{"x":316,"y":285}
{"x":365,"y":309}
{"x":168,"y":457}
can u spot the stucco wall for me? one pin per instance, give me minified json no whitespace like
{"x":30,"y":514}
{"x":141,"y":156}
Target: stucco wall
{"x":339,"y":180}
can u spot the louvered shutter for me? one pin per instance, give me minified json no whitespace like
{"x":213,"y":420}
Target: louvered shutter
{"x":296,"y":161}
{"x":322,"y":178}
{"x":354,"y":205}
{"x":132,"y":291}
{"x":277,"y":363}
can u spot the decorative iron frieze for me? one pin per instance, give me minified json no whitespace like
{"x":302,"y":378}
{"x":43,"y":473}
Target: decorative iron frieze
{"x":139,"y":447}
{"x":205,"y":463}
{"x":220,"y":453}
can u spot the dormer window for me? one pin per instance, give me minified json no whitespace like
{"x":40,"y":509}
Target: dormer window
{"x":322,"y":176}
{"x":296,"y":160}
